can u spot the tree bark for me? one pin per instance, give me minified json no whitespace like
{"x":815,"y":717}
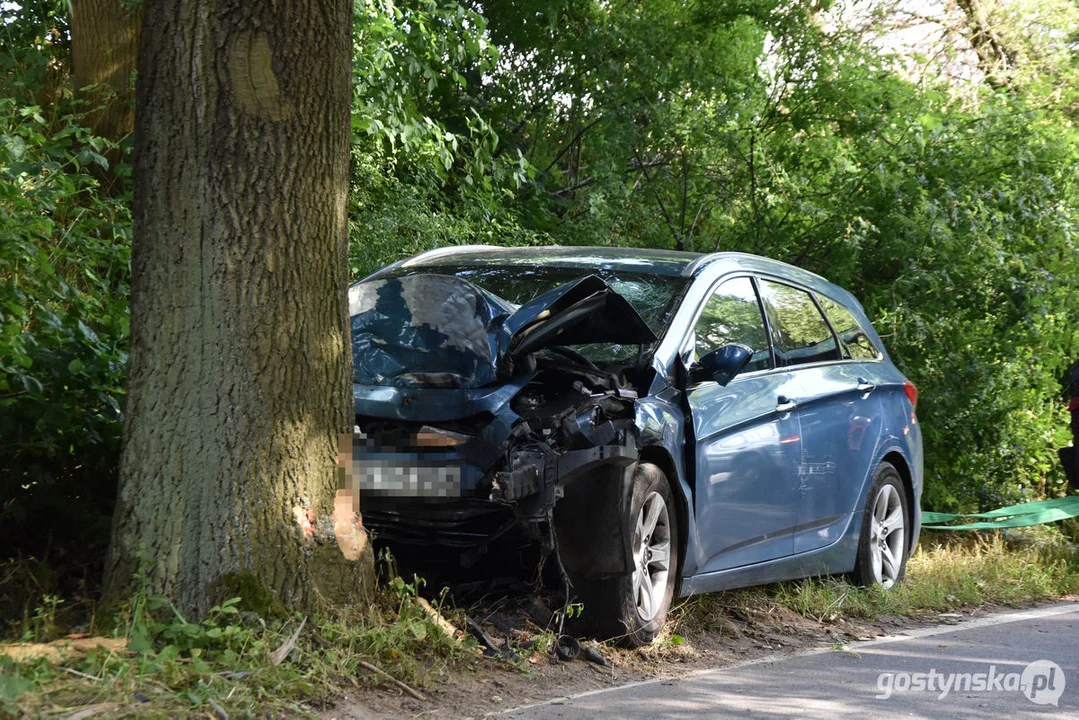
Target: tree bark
{"x":240,"y":375}
{"x":104,"y":50}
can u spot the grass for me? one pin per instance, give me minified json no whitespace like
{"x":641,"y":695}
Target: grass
{"x":223,"y":665}
{"x":942,"y":576}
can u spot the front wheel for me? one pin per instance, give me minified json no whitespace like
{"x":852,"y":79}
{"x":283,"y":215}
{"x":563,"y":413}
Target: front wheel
{"x":633,"y":608}
{"x":882,"y":547}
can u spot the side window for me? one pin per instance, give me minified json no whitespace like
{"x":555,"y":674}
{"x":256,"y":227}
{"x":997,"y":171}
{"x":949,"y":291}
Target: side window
{"x":799,"y":332}
{"x":732,"y":315}
{"x":855,"y":341}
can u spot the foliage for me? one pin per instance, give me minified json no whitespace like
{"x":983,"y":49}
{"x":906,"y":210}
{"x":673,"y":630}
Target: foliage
{"x":64,"y":258}
{"x":427,"y":167}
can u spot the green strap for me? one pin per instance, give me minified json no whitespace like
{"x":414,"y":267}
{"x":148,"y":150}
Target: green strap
{"x":1033,"y":513}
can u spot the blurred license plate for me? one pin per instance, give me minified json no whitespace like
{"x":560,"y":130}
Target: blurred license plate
{"x":401,"y":479}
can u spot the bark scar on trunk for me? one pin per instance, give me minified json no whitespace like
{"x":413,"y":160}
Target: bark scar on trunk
{"x":254,"y":84}
{"x":347,"y":526}
{"x":305,"y":519}
{"x":344,"y":524}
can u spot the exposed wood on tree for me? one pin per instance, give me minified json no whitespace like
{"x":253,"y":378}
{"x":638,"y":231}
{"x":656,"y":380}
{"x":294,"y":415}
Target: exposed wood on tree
{"x":240,"y":375}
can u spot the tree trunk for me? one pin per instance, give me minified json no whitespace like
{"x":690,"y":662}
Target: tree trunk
{"x":240,"y":374}
{"x":104,"y":49}
{"x":993,"y":57}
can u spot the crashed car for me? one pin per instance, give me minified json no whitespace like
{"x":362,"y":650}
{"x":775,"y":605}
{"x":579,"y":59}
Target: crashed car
{"x":657,"y":423}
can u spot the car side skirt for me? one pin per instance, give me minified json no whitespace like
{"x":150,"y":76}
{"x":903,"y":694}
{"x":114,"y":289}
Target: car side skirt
{"x":839,"y":557}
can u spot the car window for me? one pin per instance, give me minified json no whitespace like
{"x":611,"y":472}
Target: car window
{"x":732,"y":315}
{"x":856,"y":343}
{"x":799,"y":332}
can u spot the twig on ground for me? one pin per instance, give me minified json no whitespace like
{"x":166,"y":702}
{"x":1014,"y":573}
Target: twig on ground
{"x":436,"y":617}
{"x":379,"y":671}
{"x":92,"y":710}
{"x":81,"y":674}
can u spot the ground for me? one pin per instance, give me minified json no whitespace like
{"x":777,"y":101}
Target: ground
{"x":492,"y":685}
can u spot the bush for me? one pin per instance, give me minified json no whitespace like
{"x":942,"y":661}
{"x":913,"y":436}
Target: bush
{"x":64,"y":281}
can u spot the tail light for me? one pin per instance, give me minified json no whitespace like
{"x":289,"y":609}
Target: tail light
{"x":912,"y":393}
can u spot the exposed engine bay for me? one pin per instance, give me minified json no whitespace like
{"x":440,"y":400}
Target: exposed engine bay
{"x":479,"y":434}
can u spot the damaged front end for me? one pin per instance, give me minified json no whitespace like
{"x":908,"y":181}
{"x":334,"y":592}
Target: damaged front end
{"x":481,"y":436}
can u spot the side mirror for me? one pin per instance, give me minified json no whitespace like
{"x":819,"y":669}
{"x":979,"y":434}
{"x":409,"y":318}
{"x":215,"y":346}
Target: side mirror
{"x":723,"y":363}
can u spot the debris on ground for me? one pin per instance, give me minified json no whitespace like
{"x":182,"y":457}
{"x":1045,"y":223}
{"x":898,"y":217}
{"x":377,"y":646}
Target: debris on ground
{"x":58,"y":651}
{"x":592,"y":654}
{"x":436,"y":617}
{"x":493,"y":647}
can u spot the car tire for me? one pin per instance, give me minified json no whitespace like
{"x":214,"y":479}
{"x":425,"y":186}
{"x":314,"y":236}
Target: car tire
{"x":631,"y":609}
{"x":883,"y":543}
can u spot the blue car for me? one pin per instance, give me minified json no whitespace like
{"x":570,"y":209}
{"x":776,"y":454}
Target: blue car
{"x":653,"y":423}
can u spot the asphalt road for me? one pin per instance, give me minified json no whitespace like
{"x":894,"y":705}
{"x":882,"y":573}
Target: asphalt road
{"x":982,"y":668}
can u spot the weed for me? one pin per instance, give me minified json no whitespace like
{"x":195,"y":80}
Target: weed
{"x":43,"y":626}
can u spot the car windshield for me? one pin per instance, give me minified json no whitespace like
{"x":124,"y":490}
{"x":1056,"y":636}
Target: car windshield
{"x":653,"y":296}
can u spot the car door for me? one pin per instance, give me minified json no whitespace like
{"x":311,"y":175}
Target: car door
{"x":855,"y":406}
{"x":745,"y":440}
{"x":836,"y":413}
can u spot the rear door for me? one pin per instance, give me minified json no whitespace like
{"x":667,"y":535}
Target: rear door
{"x":836,"y":412}
{"x":746,"y":441}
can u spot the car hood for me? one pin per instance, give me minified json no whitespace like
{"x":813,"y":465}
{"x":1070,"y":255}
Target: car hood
{"x":430,"y":330}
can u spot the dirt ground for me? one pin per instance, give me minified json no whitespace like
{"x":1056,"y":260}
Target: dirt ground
{"x":725,"y":637}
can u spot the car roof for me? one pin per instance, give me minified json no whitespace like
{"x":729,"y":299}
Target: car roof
{"x":646,"y":260}
{"x":670,"y":263}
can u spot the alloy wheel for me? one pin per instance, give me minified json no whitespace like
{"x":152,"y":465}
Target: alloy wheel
{"x":651,"y":556}
{"x":887,"y":536}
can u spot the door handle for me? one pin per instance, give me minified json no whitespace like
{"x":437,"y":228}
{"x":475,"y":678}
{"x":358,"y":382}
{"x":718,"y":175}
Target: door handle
{"x":864,"y":386}
{"x":785,"y":404}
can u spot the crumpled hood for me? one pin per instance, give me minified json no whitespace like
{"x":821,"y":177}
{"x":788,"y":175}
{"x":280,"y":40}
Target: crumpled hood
{"x":430,"y":330}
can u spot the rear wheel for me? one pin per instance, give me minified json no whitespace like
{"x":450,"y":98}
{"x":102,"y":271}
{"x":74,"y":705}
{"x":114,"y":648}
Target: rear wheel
{"x":632,"y":608}
{"x":882,"y":548}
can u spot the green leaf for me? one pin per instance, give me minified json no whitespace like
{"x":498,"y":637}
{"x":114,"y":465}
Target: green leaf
{"x":139,"y":642}
{"x":12,"y":687}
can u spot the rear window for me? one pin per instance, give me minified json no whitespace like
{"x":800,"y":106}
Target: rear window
{"x":799,"y":333}
{"x":856,"y":343}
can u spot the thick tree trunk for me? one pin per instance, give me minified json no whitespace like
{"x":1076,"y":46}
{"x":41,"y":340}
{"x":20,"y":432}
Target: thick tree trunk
{"x":240,"y":375}
{"x":104,"y":49}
